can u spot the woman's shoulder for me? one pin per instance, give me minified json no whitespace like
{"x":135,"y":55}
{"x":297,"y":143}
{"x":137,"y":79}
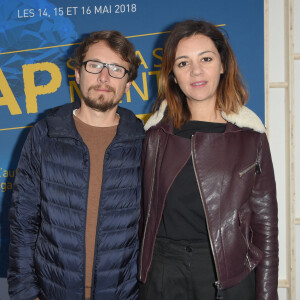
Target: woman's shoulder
{"x":245,"y":118}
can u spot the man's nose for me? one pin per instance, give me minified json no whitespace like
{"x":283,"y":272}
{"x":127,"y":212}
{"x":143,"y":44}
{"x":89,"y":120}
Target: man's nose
{"x":104,"y":75}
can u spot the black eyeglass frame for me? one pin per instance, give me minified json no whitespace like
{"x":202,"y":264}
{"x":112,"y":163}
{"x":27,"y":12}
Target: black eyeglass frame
{"x":105,"y":65}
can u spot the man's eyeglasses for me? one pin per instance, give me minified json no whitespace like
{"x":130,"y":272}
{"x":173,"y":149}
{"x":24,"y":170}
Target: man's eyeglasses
{"x":96,"y":67}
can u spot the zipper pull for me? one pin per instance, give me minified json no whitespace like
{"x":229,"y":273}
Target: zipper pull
{"x":219,"y":290}
{"x":258,"y":168}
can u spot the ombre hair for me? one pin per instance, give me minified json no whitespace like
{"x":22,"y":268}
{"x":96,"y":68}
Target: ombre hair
{"x":231,"y":92}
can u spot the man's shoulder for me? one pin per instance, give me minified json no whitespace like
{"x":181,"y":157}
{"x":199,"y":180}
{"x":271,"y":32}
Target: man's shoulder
{"x":130,"y":120}
{"x":127,"y":113}
{"x":53,"y":117}
{"x":61,"y":110}
{"x":40,"y":127}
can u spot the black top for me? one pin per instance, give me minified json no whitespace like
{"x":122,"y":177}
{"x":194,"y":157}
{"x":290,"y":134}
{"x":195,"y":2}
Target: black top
{"x":183,"y":217}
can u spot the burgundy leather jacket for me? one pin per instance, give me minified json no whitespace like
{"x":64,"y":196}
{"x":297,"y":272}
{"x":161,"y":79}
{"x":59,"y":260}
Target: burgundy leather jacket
{"x":236,"y":181}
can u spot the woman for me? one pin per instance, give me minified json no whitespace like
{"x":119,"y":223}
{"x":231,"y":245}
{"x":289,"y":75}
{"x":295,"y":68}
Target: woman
{"x":209,"y":214}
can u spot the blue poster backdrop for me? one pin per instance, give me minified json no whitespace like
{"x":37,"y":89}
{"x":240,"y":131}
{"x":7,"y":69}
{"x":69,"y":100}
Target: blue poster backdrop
{"x":37,"y":39}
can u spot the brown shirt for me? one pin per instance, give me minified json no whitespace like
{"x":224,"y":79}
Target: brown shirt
{"x":97,"y":139}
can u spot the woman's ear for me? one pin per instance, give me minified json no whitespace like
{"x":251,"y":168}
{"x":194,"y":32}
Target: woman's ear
{"x":175,"y":80}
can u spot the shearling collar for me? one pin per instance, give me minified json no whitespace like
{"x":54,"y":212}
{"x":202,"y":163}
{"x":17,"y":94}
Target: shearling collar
{"x":245,"y":118}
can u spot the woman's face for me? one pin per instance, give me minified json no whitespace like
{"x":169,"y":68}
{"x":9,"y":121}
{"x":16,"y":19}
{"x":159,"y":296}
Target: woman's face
{"x":197,"y":68}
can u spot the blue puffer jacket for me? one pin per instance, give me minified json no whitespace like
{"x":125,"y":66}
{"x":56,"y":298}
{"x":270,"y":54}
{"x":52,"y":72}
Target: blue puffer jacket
{"x":48,"y":213}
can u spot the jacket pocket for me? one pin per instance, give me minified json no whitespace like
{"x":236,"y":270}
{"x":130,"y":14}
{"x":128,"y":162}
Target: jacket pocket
{"x":244,"y":216}
{"x":253,"y":167}
{"x":253,"y":254}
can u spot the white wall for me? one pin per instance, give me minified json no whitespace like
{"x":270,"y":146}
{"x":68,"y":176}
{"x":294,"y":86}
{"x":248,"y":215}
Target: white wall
{"x":297,"y":139}
{"x":283,"y":120}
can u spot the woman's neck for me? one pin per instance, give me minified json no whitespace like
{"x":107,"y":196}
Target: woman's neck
{"x":201,"y":111}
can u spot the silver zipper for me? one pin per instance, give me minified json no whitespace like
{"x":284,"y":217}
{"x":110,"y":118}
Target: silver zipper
{"x":247,"y":243}
{"x":217,"y":283}
{"x":241,"y":173}
{"x":248,"y":260}
{"x":149,"y":206}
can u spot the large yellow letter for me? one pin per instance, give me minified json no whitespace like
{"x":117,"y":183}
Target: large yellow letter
{"x":31,"y":91}
{"x":139,"y":54}
{"x":73,"y":86}
{"x":8,"y":96}
{"x":69,"y":65}
{"x":157,"y":56}
{"x":144,"y":95}
{"x":157,"y":73}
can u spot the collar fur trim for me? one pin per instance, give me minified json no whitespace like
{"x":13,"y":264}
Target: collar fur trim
{"x":244,"y":118}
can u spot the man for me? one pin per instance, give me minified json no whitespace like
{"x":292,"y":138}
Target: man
{"x":75,"y":206}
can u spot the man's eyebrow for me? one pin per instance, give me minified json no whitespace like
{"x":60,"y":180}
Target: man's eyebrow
{"x":112,"y":63}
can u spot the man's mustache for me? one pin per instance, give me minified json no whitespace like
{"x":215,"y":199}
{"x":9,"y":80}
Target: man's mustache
{"x":106,"y":87}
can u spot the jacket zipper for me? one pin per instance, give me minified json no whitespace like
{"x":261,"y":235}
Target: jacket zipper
{"x":247,"y":255}
{"x":98,"y":229}
{"x":257,"y":167}
{"x":217,"y":283}
{"x":149,"y":206}
{"x":84,"y":258}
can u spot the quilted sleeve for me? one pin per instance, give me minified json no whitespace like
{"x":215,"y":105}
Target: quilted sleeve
{"x":24,"y":219}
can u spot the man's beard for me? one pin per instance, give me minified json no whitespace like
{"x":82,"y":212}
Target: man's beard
{"x":99,"y":103}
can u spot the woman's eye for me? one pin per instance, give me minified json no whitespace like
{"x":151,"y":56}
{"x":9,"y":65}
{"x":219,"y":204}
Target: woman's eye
{"x":206,"y":59}
{"x":182,"y":64}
